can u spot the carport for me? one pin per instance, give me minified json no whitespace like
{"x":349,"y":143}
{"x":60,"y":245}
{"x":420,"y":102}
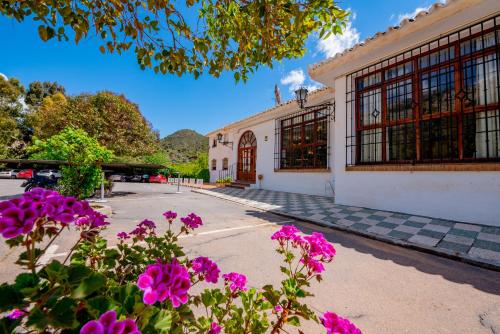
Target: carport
{"x":109,"y":168}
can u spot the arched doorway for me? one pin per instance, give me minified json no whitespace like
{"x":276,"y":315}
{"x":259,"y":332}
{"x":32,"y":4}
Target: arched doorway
{"x":247,"y":155}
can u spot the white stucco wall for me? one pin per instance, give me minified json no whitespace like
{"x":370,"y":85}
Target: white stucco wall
{"x":218,"y":153}
{"x":305,"y":182}
{"x":463,"y":196}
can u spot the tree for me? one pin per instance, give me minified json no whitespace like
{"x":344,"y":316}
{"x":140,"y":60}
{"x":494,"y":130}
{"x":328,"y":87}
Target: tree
{"x":83,"y":154}
{"x":113,"y":120}
{"x":11,"y":115}
{"x":191,"y":37}
{"x":37,"y":91}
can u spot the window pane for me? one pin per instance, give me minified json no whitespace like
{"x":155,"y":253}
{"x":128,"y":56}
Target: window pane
{"x":296,"y":135}
{"x":482,"y":135}
{"x":370,"y":107}
{"x":439,"y":139}
{"x":399,"y":100}
{"x":401,"y":142}
{"x":399,"y":70}
{"x":308,"y":133}
{"x":308,"y":117}
{"x":287,"y":138}
{"x":476,"y":44}
{"x":321,"y":130}
{"x":370,"y":80}
{"x":321,"y":156}
{"x":480,"y":76}
{"x":438,"y":57}
{"x":438,"y":91}
{"x":308,"y":157}
{"x":371,"y":145}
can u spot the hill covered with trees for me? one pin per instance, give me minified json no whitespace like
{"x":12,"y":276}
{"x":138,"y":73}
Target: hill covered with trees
{"x":184,"y":145}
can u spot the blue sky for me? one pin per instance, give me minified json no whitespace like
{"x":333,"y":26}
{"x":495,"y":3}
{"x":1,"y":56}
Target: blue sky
{"x":170,"y":102}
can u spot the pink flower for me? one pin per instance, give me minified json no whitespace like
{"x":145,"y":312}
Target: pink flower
{"x":170,"y":216}
{"x":337,"y":325}
{"x":214,"y":328}
{"x":161,"y":281}
{"x":317,"y":245}
{"x":287,"y":233}
{"x":18,"y":216}
{"x":192,"y":221}
{"x":278,"y":308}
{"x":123,"y":235}
{"x":107,"y":324}
{"x":314,"y":266}
{"x":16,"y":313}
{"x":236,"y":281}
{"x":148,"y":224}
{"x":206,"y":269}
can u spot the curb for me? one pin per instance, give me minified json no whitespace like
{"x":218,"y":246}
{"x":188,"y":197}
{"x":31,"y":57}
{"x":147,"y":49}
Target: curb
{"x":421,"y":248}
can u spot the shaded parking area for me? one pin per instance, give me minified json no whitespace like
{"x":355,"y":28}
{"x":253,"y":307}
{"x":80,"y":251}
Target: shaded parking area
{"x":381,"y":287}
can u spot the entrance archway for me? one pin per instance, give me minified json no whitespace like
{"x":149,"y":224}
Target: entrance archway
{"x":247,"y":156}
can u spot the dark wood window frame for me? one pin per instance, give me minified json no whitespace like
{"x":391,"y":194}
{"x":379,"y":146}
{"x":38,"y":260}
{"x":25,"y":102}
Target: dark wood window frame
{"x":289,"y":159}
{"x":415,"y":121}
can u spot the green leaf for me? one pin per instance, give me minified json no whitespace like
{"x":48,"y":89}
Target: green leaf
{"x":294,"y":321}
{"x":42,"y":32}
{"x":89,"y":285}
{"x":37,"y":319}
{"x":10,"y":297}
{"x":77,"y":272}
{"x":100,"y":304}
{"x":163,"y":321}
{"x":63,"y":313}
{"x":27,"y":280}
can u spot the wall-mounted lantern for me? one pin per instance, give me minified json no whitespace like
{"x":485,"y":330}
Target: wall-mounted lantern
{"x":221,"y":139}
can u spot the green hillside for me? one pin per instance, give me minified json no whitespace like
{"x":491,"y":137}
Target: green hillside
{"x":184,"y":145}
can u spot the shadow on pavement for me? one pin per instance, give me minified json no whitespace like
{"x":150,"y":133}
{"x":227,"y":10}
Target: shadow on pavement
{"x":454,"y":271}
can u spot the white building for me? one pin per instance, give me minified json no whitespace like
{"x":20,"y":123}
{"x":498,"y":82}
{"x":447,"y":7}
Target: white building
{"x":416,"y":129}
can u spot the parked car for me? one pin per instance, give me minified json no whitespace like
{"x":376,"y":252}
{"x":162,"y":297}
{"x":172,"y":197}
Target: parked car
{"x":9,"y":173}
{"x":133,"y":178}
{"x":157,"y":179}
{"x":25,"y":174}
{"x":49,"y":173}
{"x":117,"y":177}
{"x":39,"y":182}
{"x":137,"y":178}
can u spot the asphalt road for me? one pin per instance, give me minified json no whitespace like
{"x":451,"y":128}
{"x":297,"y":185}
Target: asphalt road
{"x":382,"y":288}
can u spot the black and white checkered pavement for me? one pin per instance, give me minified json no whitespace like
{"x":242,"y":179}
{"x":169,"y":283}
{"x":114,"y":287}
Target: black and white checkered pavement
{"x":472,"y":242}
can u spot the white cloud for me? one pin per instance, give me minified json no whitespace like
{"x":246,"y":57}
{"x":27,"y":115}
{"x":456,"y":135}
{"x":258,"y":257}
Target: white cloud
{"x":4,"y":76}
{"x":296,"y":79}
{"x":412,"y":15}
{"x":337,"y":43}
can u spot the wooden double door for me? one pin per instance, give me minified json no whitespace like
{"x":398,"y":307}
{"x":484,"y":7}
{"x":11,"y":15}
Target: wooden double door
{"x":247,"y":157}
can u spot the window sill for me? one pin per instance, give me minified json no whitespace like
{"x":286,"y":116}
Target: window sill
{"x":436,"y":167}
{"x":303,"y":170}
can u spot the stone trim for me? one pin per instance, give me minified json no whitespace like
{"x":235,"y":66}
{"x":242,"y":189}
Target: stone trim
{"x":446,"y":167}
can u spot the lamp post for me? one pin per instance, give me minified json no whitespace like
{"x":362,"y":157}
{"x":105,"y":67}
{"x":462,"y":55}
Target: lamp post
{"x":220,"y":139}
{"x":301,"y":96}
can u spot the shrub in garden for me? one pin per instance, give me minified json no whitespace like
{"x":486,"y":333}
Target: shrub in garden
{"x":145,"y":283}
{"x":83,"y":153}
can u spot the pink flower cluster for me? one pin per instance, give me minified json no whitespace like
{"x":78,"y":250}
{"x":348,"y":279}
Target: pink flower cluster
{"x":18,"y":216}
{"x":206,"y":269}
{"x":316,"y":250}
{"x":214,"y":328}
{"x":192,"y":221}
{"x":165,"y":280}
{"x":144,"y":228}
{"x":16,"y":314}
{"x":107,"y":324}
{"x":237,"y":282}
{"x":170,"y":216}
{"x":338,"y":325}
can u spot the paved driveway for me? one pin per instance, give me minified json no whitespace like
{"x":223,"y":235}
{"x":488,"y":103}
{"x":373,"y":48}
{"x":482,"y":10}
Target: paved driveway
{"x":382,"y":288}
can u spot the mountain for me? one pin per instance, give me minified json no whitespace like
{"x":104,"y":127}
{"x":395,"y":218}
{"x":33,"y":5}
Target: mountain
{"x":184,"y":145}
